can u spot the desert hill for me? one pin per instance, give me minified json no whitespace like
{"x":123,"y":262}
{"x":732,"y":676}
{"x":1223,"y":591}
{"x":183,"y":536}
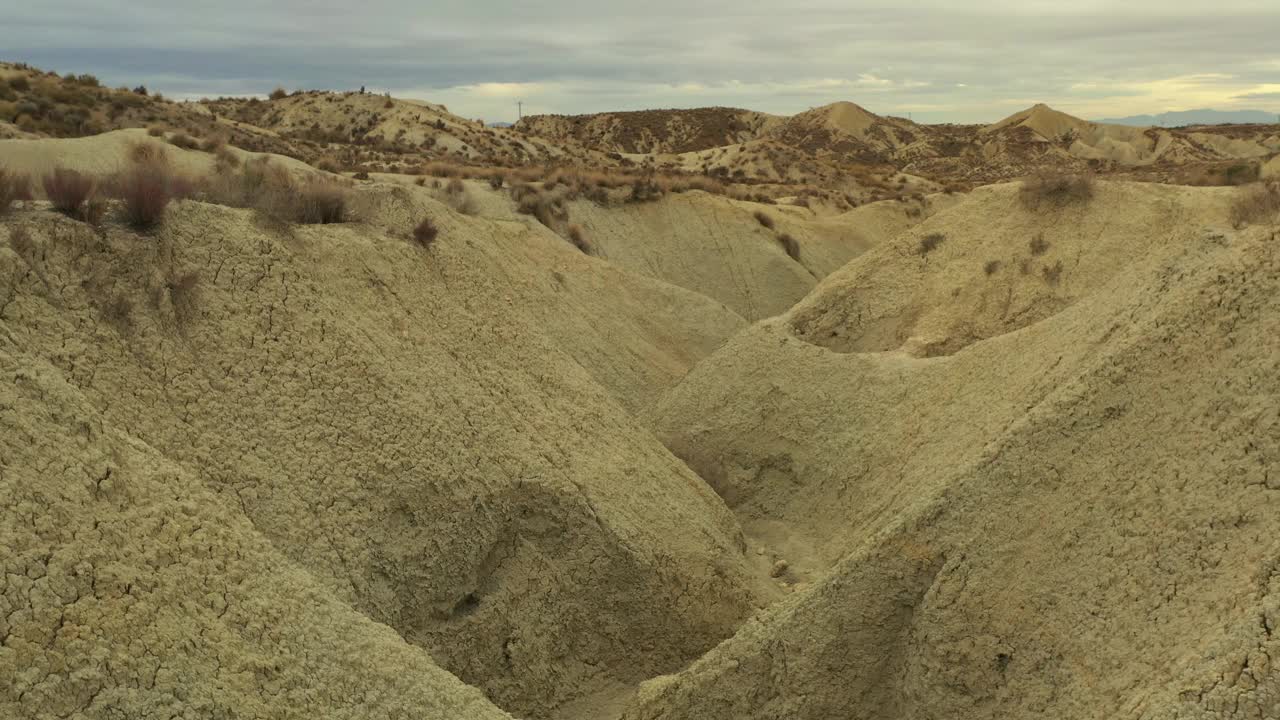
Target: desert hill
{"x":1008,"y":504}
{"x":325,"y":434}
{"x":653,"y":131}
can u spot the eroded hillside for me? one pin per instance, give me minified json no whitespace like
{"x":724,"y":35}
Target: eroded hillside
{"x":555,"y":448}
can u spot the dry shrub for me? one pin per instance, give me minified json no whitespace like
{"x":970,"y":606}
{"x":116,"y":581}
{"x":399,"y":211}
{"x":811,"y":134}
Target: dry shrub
{"x":146,"y":152}
{"x":1054,"y":190}
{"x":790,"y":245}
{"x":548,"y":211}
{"x":259,"y":184}
{"x":645,"y":189}
{"x":1039,"y":245}
{"x":214,"y":143}
{"x":578,"y":237}
{"x":425,"y":233}
{"x":155,"y":131}
{"x":278,"y":94}
{"x":930,"y":242}
{"x":1258,"y":205}
{"x":992,"y":267}
{"x":321,"y":202}
{"x":458,"y":198}
{"x":69,"y":191}
{"x":184,"y":141}
{"x":764,"y":219}
{"x":328,"y":164}
{"x":496,"y":180}
{"x":146,"y":189}
{"x":13,"y":186}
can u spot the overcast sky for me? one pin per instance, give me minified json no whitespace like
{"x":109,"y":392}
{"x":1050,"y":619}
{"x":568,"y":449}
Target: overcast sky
{"x":938,"y":60}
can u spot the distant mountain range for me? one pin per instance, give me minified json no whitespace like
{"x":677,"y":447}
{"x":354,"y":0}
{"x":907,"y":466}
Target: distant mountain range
{"x":1197,"y":117}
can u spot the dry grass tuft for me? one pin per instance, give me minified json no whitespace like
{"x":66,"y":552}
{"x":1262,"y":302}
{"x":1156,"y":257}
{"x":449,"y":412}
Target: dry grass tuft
{"x":991,"y":267}
{"x":1039,"y":245}
{"x":764,"y":219}
{"x":1048,"y":189}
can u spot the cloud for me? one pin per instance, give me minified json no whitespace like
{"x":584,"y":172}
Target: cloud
{"x":963,"y":61}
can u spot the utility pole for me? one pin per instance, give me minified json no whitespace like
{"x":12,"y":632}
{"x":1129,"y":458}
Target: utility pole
{"x":519,"y":109}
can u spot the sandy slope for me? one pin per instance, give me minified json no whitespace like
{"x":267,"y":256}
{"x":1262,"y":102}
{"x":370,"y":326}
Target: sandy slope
{"x":715,"y":246}
{"x":1071,"y":518}
{"x":395,"y":424}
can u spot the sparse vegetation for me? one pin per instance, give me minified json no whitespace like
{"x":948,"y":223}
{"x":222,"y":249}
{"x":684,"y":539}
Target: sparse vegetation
{"x":459,"y":199}
{"x":146,"y":188}
{"x":930,"y":242}
{"x":320,"y":202}
{"x":1052,"y":274}
{"x":991,"y":267}
{"x":69,"y":191}
{"x":764,"y":219}
{"x":278,"y":94}
{"x":578,"y":237}
{"x":214,"y":143}
{"x":1048,"y":189}
{"x":1038,"y":245}
{"x":184,"y":141}
{"x":790,"y":245}
{"x":13,"y":187}
{"x":425,"y":233}
{"x":1257,"y":205}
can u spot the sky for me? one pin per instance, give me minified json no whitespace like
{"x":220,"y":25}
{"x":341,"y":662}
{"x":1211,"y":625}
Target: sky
{"x":933,"y":60}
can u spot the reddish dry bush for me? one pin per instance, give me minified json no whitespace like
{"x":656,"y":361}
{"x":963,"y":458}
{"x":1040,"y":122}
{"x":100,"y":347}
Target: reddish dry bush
{"x":145,"y":189}
{"x":425,"y":233}
{"x":13,"y":186}
{"x":68,"y":190}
